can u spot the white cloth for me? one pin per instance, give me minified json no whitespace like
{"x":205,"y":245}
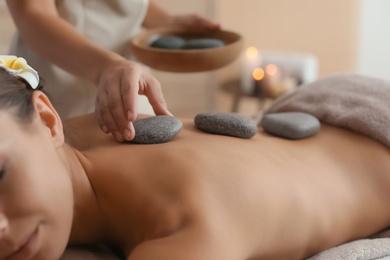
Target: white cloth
{"x":364,"y":249}
{"x":108,"y":23}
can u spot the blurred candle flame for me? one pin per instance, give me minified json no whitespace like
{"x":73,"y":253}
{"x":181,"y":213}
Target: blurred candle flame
{"x":251,"y":53}
{"x":271,"y":69}
{"x":258,"y":74}
{"x":250,"y":61}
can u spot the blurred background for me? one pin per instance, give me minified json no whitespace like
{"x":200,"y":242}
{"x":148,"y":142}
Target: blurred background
{"x":301,"y":40}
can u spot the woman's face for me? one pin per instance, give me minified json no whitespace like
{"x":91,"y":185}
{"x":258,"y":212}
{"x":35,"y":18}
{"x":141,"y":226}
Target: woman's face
{"x":36,"y":198}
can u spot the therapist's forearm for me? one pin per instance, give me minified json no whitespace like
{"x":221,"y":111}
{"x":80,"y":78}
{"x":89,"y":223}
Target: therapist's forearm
{"x":57,"y":41}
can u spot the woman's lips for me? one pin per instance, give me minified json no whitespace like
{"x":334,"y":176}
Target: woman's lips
{"x":28,"y":247}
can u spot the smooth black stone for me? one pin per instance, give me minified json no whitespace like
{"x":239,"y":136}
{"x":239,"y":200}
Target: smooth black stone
{"x":168,"y":42}
{"x":156,"y":129}
{"x":291,"y":125}
{"x":203,"y":43}
{"x":230,"y":124}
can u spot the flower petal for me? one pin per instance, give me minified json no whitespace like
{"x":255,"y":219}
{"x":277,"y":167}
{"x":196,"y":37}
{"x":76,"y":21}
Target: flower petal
{"x":19,"y":67}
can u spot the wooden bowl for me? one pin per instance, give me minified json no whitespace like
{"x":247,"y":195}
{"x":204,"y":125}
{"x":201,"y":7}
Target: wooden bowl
{"x":183,"y":60}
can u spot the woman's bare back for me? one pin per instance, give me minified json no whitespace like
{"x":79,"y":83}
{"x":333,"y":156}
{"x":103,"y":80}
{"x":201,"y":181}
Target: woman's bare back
{"x":204,"y":196}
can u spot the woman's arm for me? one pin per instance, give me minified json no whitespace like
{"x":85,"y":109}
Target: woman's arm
{"x":51,"y":37}
{"x":118,"y":80}
{"x":181,"y":247}
{"x":156,"y":16}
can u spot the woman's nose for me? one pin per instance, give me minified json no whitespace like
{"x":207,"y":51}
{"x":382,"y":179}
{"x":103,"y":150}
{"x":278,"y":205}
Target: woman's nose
{"x":4,"y":226}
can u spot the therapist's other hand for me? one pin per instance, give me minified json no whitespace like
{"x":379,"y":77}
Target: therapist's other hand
{"x":195,"y":21}
{"x":117,"y":97}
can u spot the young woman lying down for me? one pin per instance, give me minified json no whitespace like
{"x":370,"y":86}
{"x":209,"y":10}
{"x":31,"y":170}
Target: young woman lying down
{"x":198,"y":197}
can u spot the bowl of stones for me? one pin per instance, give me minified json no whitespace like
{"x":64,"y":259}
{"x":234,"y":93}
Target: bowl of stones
{"x":186,"y":50}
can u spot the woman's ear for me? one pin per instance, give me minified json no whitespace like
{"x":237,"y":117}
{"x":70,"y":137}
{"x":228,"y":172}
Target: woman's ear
{"x":48,"y":117}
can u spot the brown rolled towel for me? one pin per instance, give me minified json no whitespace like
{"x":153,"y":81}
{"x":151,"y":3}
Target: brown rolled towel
{"x":356,"y":102}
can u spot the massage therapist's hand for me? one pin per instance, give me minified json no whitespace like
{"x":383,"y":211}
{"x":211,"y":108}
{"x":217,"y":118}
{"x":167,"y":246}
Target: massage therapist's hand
{"x":157,"y":16}
{"x":194,"y":21}
{"x":117,"y":97}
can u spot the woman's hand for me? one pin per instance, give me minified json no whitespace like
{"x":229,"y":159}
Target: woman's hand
{"x":195,"y":21}
{"x":117,"y":97}
{"x":156,"y":16}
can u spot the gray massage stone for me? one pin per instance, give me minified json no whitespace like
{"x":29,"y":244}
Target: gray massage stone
{"x":290,"y":125}
{"x":231,"y":124}
{"x":203,"y":43}
{"x":168,"y":42}
{"x":156,"y":129}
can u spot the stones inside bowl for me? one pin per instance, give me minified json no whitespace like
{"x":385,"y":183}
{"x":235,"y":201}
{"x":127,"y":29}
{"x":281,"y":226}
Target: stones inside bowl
{"x":176,"y":42}
{"x":168,"y":42}
{"x":203,"y":44}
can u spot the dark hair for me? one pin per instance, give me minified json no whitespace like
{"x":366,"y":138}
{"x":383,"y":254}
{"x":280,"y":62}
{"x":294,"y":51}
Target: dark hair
{"x":15,"y":94}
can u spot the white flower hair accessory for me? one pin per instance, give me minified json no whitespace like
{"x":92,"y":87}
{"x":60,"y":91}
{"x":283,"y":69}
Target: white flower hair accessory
{"x":18,"y":67}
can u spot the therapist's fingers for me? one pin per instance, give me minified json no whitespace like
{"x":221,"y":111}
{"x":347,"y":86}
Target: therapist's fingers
{"x":109,"y":106}
{"x":146,"y":84}
{"x":151,"y":88}
{"x":104,"y":116}
{"x":117,"y":99}
{"x":129,"y":92}
{"x":115,"y":104}
{"x":195,"y":20}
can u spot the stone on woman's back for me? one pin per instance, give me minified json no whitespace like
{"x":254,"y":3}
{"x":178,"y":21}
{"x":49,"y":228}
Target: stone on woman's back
{"x":231,"y":124}
{"x":290,"y":125}
{"x":156,"y":129}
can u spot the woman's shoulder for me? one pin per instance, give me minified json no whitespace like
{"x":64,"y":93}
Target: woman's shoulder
{"x":82,"y":132}
{"x":87,"y":120}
